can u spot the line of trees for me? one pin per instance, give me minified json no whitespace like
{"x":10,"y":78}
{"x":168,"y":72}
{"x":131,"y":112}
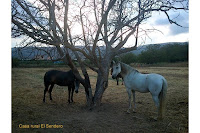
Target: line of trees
{"x":158,"y":53}
{"x":153,"y":54}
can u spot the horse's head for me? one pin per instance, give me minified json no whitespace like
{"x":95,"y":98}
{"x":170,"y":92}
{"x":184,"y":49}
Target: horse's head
{"x":116,"y":69}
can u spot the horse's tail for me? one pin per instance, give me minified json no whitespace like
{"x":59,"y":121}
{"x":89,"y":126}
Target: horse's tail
{"x":162,"y":98}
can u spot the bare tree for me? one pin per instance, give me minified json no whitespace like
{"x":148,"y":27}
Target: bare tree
{"x":66,"y":24}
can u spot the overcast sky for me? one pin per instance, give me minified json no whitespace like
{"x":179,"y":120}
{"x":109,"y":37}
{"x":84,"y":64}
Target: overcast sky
{"x":165,"y":32}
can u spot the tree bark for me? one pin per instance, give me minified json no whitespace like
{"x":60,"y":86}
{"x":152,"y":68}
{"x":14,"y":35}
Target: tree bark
{"x":102,"y":81}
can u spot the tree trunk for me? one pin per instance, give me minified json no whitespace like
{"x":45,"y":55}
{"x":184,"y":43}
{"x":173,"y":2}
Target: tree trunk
{"x":102,"y":83}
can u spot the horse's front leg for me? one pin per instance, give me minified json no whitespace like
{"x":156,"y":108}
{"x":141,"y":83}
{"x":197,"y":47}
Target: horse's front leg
{"x":129,"y":98}
{"x":50,"y":90}
{"x":117,"y":80}
{"x":134,"y":105}
{"x":45,"y":90}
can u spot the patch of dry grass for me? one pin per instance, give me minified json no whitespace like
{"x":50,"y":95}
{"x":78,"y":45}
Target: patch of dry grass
{"x":28,"y":108}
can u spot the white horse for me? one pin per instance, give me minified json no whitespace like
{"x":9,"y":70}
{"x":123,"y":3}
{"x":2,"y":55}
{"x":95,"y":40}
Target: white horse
{"x":136,"y":81}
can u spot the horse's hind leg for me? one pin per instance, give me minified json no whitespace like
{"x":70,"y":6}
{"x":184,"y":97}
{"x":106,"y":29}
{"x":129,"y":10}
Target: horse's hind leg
{"x":69,"y":93}
{"x":45,"y":90}
{"x":73,"y":87}
{"x":50,"y":90}
{"x":157,"y":103}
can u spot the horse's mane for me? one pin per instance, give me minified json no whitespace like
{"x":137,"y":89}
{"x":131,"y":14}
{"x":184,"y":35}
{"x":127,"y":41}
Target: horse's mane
{"x":127,"y":68}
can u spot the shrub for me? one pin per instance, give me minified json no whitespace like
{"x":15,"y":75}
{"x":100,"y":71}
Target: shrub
{"x":15,"y":62}
{"x":128,"y":58}
{"x":166,"y":53}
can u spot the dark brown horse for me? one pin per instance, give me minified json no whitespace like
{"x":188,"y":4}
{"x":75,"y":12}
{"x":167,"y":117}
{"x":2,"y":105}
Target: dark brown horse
{"x":62,"y":79}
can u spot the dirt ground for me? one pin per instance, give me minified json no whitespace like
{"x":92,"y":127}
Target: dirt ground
{"x":30,"y":114}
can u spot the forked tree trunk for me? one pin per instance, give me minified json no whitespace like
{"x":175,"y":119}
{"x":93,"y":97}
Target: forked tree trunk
{"x":101,"y":85}
{"x":102,"y":82}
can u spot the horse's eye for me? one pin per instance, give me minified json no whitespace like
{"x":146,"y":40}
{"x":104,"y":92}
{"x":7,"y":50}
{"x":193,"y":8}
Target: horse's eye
{"x":117,"y":67}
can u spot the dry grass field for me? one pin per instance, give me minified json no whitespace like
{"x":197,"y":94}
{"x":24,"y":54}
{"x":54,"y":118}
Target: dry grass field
{"x":28,"y":108}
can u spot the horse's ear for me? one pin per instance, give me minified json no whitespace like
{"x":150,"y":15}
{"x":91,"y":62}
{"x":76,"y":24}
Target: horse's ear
{"x":112,"y":62}
{"x":117,"y":62}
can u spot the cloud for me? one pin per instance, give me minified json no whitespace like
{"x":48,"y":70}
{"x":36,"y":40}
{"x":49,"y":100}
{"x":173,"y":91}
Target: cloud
{"x":175,"y":30}
{"x":181,"y":17}
{"x":161,"y":21}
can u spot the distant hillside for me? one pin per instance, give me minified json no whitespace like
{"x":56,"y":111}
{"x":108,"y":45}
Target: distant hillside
{"x":38,"y":53}
{"x":158,"y":53}
{"x":144,"y":47}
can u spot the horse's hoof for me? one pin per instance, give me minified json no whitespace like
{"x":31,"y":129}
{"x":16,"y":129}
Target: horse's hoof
{"x":134,"y":111}
{"x":153,"y":119}
{"x":128,"y":111}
